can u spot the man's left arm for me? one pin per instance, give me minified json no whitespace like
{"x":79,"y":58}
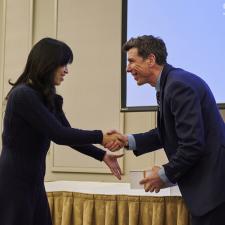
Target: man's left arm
{"x":185,"y":106}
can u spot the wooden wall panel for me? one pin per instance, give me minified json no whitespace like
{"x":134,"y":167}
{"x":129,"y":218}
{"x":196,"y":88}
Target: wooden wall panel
{"x":15,"y":41}
{"x":2,"y":52}
{"x":44,"y":19}
{"x":18,"y":36}
{"x":91,"y":90}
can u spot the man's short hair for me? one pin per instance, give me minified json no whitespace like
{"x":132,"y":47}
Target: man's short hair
{"x":146,"y":45}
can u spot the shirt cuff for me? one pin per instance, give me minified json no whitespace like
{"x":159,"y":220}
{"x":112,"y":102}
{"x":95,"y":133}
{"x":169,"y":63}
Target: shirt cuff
{"x":131,"y":142}
{"x":164,"y":178}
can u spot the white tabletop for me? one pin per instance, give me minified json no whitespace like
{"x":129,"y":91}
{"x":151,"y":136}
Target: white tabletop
{"x":105,"y":188}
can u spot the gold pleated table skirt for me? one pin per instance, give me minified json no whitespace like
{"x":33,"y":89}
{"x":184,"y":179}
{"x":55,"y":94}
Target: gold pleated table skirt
{"x":74,"y":208}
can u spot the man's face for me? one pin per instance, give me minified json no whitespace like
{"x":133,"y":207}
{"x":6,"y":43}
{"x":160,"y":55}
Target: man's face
{"x":138,"y":67}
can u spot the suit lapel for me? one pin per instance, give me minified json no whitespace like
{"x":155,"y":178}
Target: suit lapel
{"x":166,"y":70}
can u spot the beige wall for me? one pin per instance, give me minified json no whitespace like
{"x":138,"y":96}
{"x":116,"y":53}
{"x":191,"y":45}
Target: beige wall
{"x":2,"y":16}
{"x":92,"y":90}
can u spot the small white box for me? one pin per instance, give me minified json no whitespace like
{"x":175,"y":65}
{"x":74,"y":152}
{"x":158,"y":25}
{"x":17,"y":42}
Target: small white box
{"x":136,"y":176}
{"x":147,"y":173}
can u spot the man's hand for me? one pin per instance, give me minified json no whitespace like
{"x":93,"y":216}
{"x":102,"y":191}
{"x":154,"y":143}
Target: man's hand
{"x":111,"y":161}
{"x":113,"y":137}
{"x":118,"y":144}
{"x":153,"y":182}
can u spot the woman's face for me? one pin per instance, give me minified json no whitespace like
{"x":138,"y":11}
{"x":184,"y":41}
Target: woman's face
{"x":59,"y":74}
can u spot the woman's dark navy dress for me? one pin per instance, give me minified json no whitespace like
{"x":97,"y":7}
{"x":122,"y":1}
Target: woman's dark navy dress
{"x":28,"y":129}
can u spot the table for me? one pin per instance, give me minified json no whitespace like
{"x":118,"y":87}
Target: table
{"x":100,"y":203}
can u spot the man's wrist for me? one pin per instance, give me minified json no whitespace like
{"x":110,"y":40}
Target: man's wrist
{"x":131,"y":142}
{"x":164,"y":178}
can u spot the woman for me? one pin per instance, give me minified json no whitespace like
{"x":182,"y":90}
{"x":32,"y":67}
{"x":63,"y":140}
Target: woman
{"x":33,"y":118}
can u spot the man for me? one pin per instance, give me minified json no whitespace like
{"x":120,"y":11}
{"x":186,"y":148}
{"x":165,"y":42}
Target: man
{"x":189,"y":128}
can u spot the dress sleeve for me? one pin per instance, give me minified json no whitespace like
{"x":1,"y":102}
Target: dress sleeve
{"x":87,"y":149}
{"x":28,"y":105}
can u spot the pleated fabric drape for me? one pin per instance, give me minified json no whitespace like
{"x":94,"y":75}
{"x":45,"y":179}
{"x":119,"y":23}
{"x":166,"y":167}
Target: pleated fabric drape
{"x":70,"y":208}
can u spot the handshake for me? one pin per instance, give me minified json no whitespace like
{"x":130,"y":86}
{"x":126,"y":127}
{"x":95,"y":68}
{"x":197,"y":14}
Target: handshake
{"x":113,"y":140}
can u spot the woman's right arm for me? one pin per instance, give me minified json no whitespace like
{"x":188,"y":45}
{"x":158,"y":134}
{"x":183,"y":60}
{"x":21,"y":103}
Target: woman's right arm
{"x":27,"y":104}
{"x":87,"y":149}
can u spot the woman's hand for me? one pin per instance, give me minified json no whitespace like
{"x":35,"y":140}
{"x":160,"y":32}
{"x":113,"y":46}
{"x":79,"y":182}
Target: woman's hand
{"x":111,"y":161}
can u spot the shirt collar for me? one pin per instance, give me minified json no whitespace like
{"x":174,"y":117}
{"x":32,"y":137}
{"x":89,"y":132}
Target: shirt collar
{"x":157,"y":87}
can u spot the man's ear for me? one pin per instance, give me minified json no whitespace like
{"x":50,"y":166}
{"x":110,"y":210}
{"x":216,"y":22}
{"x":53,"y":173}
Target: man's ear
{"x":151,"y":59}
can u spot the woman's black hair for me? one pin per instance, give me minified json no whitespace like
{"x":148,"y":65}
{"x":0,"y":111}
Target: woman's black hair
{"x":44,"y":58}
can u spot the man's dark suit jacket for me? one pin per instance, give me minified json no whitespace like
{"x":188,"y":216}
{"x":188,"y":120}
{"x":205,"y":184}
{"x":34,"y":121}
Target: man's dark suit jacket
{"x":192,"y":133}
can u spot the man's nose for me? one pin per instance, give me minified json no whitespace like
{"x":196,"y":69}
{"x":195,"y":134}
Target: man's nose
{"x":128,"y":69}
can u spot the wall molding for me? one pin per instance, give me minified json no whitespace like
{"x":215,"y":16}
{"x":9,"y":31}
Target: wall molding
{"x":2,"y":63}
